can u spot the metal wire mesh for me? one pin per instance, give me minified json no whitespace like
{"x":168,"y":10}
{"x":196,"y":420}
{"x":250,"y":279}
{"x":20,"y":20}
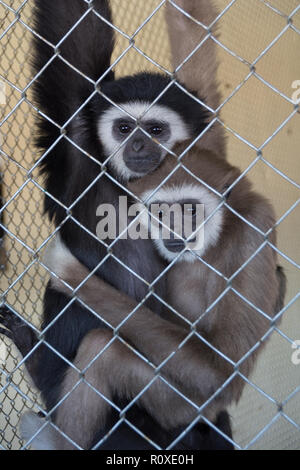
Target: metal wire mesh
{"x":261,"y":131}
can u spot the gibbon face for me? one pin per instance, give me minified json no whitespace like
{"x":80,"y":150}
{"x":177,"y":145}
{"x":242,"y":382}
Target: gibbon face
{"x":151,"y":115}
{"x":140,"y":135}
{"x":183,"y":220}
{"x":183,"y":205}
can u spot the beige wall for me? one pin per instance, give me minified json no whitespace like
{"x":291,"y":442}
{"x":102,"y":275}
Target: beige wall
{"x":255,"y":113}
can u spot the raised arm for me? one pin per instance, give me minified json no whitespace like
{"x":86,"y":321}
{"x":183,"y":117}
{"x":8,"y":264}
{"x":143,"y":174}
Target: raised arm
{"x":199,"y":73}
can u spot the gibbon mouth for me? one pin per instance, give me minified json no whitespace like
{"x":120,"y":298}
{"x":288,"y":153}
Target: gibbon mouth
{"x":192,"y":241}
{"x":142,"y":164}
{"x":148,"y":160}
{"x":175,"y":246}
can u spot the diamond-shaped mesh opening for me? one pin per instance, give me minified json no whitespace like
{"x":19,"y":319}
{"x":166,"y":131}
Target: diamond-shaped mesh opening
{"x":257,"y":49}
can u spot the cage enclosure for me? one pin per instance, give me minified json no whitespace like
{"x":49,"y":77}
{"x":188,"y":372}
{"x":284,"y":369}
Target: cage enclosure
{"x":259,"y":78}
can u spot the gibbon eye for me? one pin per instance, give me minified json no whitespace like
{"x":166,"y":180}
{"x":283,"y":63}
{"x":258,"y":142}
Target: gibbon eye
{"x":160,"y":214}
{"x":155,"y":211}
{"x":125,"y":129}
{"x":155,"y":130}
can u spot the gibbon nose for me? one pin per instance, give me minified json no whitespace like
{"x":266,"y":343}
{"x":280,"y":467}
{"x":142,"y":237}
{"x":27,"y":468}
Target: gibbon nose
{"x":138,"y":145}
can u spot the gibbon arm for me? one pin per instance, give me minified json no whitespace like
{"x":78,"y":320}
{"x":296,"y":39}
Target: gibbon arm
{"x":199,"y":73}
{"x":155,"y":337}
{"x":111,"y":367}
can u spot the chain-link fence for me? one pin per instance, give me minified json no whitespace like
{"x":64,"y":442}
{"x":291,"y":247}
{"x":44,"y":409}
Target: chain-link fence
{"x":259,"y":75}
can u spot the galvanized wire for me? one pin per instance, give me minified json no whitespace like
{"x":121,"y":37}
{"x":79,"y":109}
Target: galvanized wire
{"x":26,"y":244}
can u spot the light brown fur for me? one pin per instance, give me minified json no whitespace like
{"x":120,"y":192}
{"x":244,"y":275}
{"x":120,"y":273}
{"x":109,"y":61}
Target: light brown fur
{"x":199,"y":73}
{"x":233,"y":327}
{"x":108,"y":371}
